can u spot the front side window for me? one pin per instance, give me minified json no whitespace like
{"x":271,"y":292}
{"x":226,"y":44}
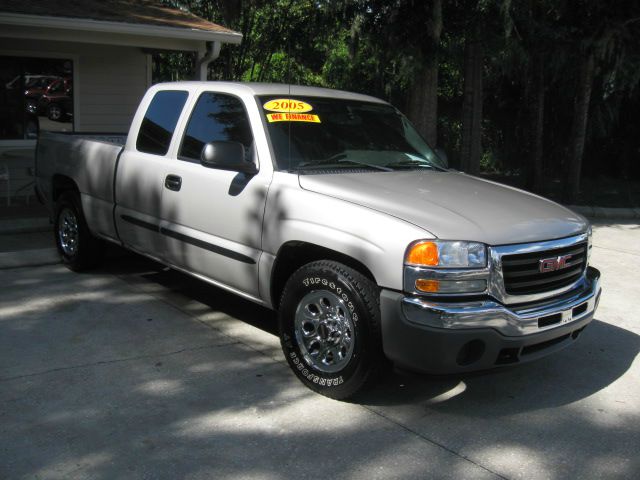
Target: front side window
{"x":160,"y":122}
{"x":216,"y":117}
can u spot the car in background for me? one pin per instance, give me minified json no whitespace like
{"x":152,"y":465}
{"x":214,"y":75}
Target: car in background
{"x":35,"y":87}
{"x":31,"y":81}
{"x":57,"y":101}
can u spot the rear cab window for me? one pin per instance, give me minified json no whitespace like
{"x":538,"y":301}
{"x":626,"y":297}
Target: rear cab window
{"x":160,"y":121}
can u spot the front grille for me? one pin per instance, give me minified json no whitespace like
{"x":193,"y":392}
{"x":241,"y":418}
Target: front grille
{"x":522,"y":276}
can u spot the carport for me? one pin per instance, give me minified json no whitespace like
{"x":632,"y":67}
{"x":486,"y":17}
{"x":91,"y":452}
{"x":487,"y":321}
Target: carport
{"x":83,"y":67}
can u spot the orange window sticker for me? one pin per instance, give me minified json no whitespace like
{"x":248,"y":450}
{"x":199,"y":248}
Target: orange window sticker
{"x":293,"y":117}
{"x":287,"y":105}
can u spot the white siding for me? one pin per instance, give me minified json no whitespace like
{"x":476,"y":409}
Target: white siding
{"x":111,"y":83}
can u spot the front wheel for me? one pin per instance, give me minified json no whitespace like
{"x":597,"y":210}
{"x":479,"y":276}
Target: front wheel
{"x":329,"y":324}
{"x":78,"y":249}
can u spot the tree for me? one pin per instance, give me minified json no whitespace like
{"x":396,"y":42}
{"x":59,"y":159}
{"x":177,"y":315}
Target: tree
{"x":531,"y":38}
{"x":471,"y":146}
{"x":423,"y":95}
{"x":535,"y":106}
{"x":536,"y":89}
{"x":579,"y":125}
{"x":405,"y":36}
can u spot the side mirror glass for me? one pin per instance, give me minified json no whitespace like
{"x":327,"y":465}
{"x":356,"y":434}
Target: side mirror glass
{"x":442,"y":155}
{"x":227,"y":156}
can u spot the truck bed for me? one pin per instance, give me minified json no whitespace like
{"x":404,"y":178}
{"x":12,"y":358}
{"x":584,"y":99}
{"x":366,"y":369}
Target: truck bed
{"x":90,"y":160}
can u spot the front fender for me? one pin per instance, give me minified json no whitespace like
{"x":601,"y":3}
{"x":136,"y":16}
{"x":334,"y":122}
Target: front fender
{"x":375,"y":239}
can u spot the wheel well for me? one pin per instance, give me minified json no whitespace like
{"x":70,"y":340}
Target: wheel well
{"x":62,"y":184}
{"x":293,"y":255}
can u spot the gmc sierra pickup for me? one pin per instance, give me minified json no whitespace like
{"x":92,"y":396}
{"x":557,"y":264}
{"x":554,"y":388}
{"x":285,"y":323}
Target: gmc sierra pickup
{"x":328,"y":207}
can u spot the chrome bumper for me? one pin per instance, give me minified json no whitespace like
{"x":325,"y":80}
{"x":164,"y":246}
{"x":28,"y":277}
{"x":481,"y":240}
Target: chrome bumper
{"x":509,"y":321}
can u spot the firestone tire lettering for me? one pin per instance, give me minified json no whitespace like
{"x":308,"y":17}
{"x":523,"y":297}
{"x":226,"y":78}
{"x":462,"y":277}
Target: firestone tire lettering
{"x":361,"y":298}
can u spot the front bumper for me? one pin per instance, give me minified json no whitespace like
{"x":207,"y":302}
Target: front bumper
{"x":436,"y":337}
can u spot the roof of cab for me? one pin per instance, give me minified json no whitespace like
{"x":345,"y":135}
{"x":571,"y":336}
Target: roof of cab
{"x":255,"y":88}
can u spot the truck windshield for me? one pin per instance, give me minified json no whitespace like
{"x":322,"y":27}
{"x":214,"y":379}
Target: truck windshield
{"x":315,"y":133}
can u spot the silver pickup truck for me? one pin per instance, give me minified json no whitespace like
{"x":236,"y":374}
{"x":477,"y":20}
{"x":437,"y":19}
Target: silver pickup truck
{"x":328,"y":207}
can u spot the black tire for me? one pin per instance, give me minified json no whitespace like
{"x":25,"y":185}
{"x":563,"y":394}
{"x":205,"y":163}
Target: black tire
{"x":78,"y":248}
{"x":312,"y":348}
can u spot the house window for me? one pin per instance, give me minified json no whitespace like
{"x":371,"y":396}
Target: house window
{"x":35,"y":94}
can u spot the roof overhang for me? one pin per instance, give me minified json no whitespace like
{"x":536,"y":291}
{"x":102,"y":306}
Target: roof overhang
{"x":16,"y":25}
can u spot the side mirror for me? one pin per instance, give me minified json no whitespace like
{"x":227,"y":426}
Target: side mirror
{"x":227,"y":156}
{"x":442,"y":155}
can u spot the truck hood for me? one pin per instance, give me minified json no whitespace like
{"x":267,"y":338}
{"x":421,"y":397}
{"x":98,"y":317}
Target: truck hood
{"x":453,"y":205}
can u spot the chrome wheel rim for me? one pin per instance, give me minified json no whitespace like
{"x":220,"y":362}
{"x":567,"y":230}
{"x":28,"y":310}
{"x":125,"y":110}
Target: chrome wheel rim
{"x":68,"y":234}
{"x":324,"y":331}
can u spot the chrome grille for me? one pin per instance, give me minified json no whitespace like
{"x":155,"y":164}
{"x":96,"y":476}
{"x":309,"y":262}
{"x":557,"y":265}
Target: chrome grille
{"x":522,"y":275}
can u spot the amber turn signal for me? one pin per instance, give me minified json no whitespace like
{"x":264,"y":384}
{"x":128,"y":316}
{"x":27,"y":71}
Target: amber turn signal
{"x":423,"y":253}
{"x":428,"y":286}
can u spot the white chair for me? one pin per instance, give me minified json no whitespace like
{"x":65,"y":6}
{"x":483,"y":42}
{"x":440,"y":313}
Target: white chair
{"x":4,"y":175}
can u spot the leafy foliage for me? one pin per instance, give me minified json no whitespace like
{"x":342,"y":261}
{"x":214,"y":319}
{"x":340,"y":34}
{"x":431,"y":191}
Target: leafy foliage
{"x":377,"y":46}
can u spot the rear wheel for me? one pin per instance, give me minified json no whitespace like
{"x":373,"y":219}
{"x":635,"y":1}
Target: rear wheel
{"x":329,"y":323}
{"x":78,"y":248}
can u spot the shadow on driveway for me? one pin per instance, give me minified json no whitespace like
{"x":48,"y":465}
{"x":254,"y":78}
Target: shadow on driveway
{"x":603,"y":354}
{"x":538,"y":414}
{"x":107,"y":383}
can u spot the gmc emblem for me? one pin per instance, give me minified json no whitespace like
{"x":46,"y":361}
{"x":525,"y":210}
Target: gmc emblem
{"x":552,"y":264}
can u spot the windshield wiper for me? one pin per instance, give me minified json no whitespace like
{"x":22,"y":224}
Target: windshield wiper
{"x":410,"y":163}
{"x":340,"y":159}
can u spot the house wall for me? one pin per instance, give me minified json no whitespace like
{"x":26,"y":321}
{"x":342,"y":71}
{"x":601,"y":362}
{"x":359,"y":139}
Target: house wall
{"x":109,"y":81}
{"x":112,"y":82}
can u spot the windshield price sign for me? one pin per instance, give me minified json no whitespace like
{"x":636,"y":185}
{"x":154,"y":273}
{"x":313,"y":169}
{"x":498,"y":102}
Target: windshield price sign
{"x":287,"y":105}
{"x":292,"y":117}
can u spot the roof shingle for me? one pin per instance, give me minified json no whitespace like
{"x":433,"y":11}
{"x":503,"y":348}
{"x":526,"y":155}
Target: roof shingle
{"x":142,"y":12}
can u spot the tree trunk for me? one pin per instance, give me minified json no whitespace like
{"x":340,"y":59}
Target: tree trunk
{"x":423,"y":95}
{"x":423,"y":101}
{"x":231,"y":11}
{"x":247,"y":21}
{"x":471,"y":148}
{"x":536,"y":121}
{"x":579,"y":126}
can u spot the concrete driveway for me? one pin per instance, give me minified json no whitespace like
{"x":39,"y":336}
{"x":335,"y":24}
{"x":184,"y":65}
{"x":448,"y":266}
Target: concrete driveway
{"x":133,"y":371}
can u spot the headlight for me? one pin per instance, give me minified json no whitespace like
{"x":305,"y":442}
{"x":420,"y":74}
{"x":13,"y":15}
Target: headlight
{"x":446,"y":254}
{"x":589,"y":242}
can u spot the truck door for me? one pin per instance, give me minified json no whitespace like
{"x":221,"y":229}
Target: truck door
{"x":140,"y":174}
{"x":212,"y":218}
